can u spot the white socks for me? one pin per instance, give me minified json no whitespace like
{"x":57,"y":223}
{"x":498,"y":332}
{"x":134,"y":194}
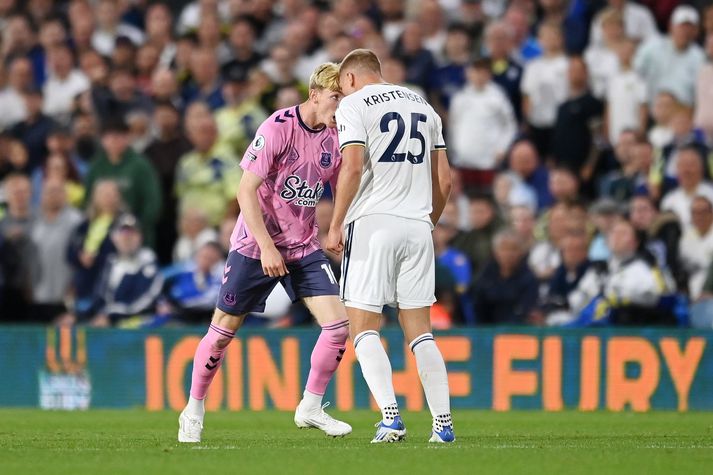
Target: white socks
{"x":434,"y":378}
{"x":195,"y":407}
{"x":311,"y":401}
{"x":376,"y":368}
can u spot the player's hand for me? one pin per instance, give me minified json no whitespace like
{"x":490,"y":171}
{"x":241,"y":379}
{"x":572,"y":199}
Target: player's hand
{"x":335,"y":240}
{"x":273,"y":265}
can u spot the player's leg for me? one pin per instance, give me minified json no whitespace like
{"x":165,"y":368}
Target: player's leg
{"x":326,"y":356}
{"x":415,"y":294}
{"x":208,"y":358}
{"x":245,"y":289}
{"x":416,"y":325}
{"x":312,"y":280}
{"x":371,"y":247}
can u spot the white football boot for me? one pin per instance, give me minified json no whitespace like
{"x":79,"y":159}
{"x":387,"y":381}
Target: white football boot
{"x":318,"y":419}
{"x":189,"y":428}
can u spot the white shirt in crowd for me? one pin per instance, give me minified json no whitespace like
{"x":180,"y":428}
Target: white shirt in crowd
{"x":482,"y":126}
{"x":103,"y":41}
{"x":664,"y":68}
{"x":660,"y":136}
{"x":680,"y":202}
{"x":59,"y":93}
{"x":545,"y":84}
{"x":602,"y":64}
{"x":639,"y":24}
{"x":631,"y":281}
{"x":696,"y":253}
{"x":626,"y":93}
{"x":12,"y":106}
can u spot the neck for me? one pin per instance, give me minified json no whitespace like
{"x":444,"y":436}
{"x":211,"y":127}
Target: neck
{"x":20,"y":212}
{"x":703,"y":230}
{"x":114,"y":159}
{"x":309,"y":115}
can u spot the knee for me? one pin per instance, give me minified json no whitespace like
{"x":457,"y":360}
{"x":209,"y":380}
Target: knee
{"x":338,"y":336}
{"x":221,"y":342}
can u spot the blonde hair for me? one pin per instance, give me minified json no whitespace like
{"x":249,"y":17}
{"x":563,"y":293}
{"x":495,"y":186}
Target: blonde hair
{"x":325,"y":76}
{"x":363,"y":59}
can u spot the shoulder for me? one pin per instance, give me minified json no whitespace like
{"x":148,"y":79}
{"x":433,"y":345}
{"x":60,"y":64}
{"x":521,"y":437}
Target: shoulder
{"x":147,"y":257}
{"x":278,"y":124}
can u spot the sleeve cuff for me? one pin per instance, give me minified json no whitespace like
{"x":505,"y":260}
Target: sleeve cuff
{"x":352,"y":142}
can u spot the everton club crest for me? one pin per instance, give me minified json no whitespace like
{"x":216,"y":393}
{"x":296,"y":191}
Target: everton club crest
{"x":325,"y":160}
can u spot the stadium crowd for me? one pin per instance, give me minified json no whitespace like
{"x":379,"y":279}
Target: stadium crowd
{"x":580,"y":132}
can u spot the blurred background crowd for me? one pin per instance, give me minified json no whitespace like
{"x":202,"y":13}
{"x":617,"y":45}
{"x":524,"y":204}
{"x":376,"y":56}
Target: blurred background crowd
{"x":579,"y":132}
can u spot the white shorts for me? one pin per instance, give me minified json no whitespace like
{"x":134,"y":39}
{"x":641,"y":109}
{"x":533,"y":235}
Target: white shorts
{"x":388,"y":260}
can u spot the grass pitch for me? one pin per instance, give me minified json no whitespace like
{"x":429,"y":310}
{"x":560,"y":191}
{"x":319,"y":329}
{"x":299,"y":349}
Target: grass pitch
{"x":137,"y":442}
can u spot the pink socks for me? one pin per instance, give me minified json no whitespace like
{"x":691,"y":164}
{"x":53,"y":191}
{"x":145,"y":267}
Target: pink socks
{"x":327,"y":354}
{"x":209,"y":357}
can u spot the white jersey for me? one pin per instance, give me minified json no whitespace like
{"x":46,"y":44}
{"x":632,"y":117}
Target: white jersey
{"x":399,"y":130}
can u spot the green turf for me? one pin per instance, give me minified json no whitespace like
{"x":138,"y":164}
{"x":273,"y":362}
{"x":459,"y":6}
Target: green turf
{"x":137,"y":442}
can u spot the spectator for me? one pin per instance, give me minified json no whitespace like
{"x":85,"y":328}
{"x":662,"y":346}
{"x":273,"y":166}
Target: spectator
{"x":664,"y":108}
{"x":168,"y":146}
{"x":109,"y":28}
{"x":242,"y":114}
{"x":482,"y":125}
{"x":206,"y":85}
{"x":476,"y":243}
{"x":140,"y":188}
{"x":159,"y":26}
{"x":194,"y":233}
{"x":457,"y":264}
{"x":544,"y":87}
{"x":506,"y":291}
{"x":207,"y":178}
{"x":193,"y":289}
{"x":164,"y":88}
{"x":522,"y":221}
{"x":418,"y":60}
{"x":131,"y":283}
{"x":507,"y":73}
{"x":51,"y":233}
{"x":624,"y":290}
{"x":509,"y":190}
{"x":13,"y":156}
{"x":696,"y":246}
{"x":671,"y":63}
{"x":19,"y":253}
{"x":525,"y":163}
{"x":577,"y":122}
{"x":19,"y":81}
{"x":544,"y":258}
{"x":91,"y":243}
{"x":450,"y":77}
{"x":121,"y":98}
{"x":193,"y":12}
{"x":659,"y":233}
{"x":566,"y":278}
{"x":684,"y":134}
{"x":34,"y":129}
{"x":605,"y":213}
{"x":601,"y":58}
{"x":526,"y":47}
{"x":20,"y":41}
{"x":241,"y":42}
{"x":563,"y":185}
{"x":65,"y":81}
{"x":704,"y":93}
{"x":689,"y":168}
{"x":59,"y":167}
{"x":639,"y":23}
{"x":626,"y":98}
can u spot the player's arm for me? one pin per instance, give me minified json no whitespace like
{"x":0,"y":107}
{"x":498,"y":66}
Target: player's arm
{"x":348,"y":186}
{"x":272,"y":263}
{"x":440,"y":183}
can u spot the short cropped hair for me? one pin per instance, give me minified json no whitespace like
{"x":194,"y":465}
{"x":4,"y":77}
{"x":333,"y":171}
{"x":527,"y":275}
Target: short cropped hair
{"x":362,"y":59}
{"x":325,"y":76}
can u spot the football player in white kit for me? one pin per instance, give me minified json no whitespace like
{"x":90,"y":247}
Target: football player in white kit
{"x":392,"y":188}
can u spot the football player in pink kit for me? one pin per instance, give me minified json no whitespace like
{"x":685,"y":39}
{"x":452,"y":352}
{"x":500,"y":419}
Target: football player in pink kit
{"x":295,"y":153}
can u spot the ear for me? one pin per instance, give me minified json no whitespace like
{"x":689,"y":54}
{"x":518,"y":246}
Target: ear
{"x":313,"y":95}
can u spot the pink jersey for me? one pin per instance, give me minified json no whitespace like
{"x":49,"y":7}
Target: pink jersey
{"x":296,"y":163}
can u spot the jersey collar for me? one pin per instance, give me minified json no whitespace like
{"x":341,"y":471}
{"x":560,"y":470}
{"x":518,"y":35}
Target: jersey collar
{"x":305,"y":126}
